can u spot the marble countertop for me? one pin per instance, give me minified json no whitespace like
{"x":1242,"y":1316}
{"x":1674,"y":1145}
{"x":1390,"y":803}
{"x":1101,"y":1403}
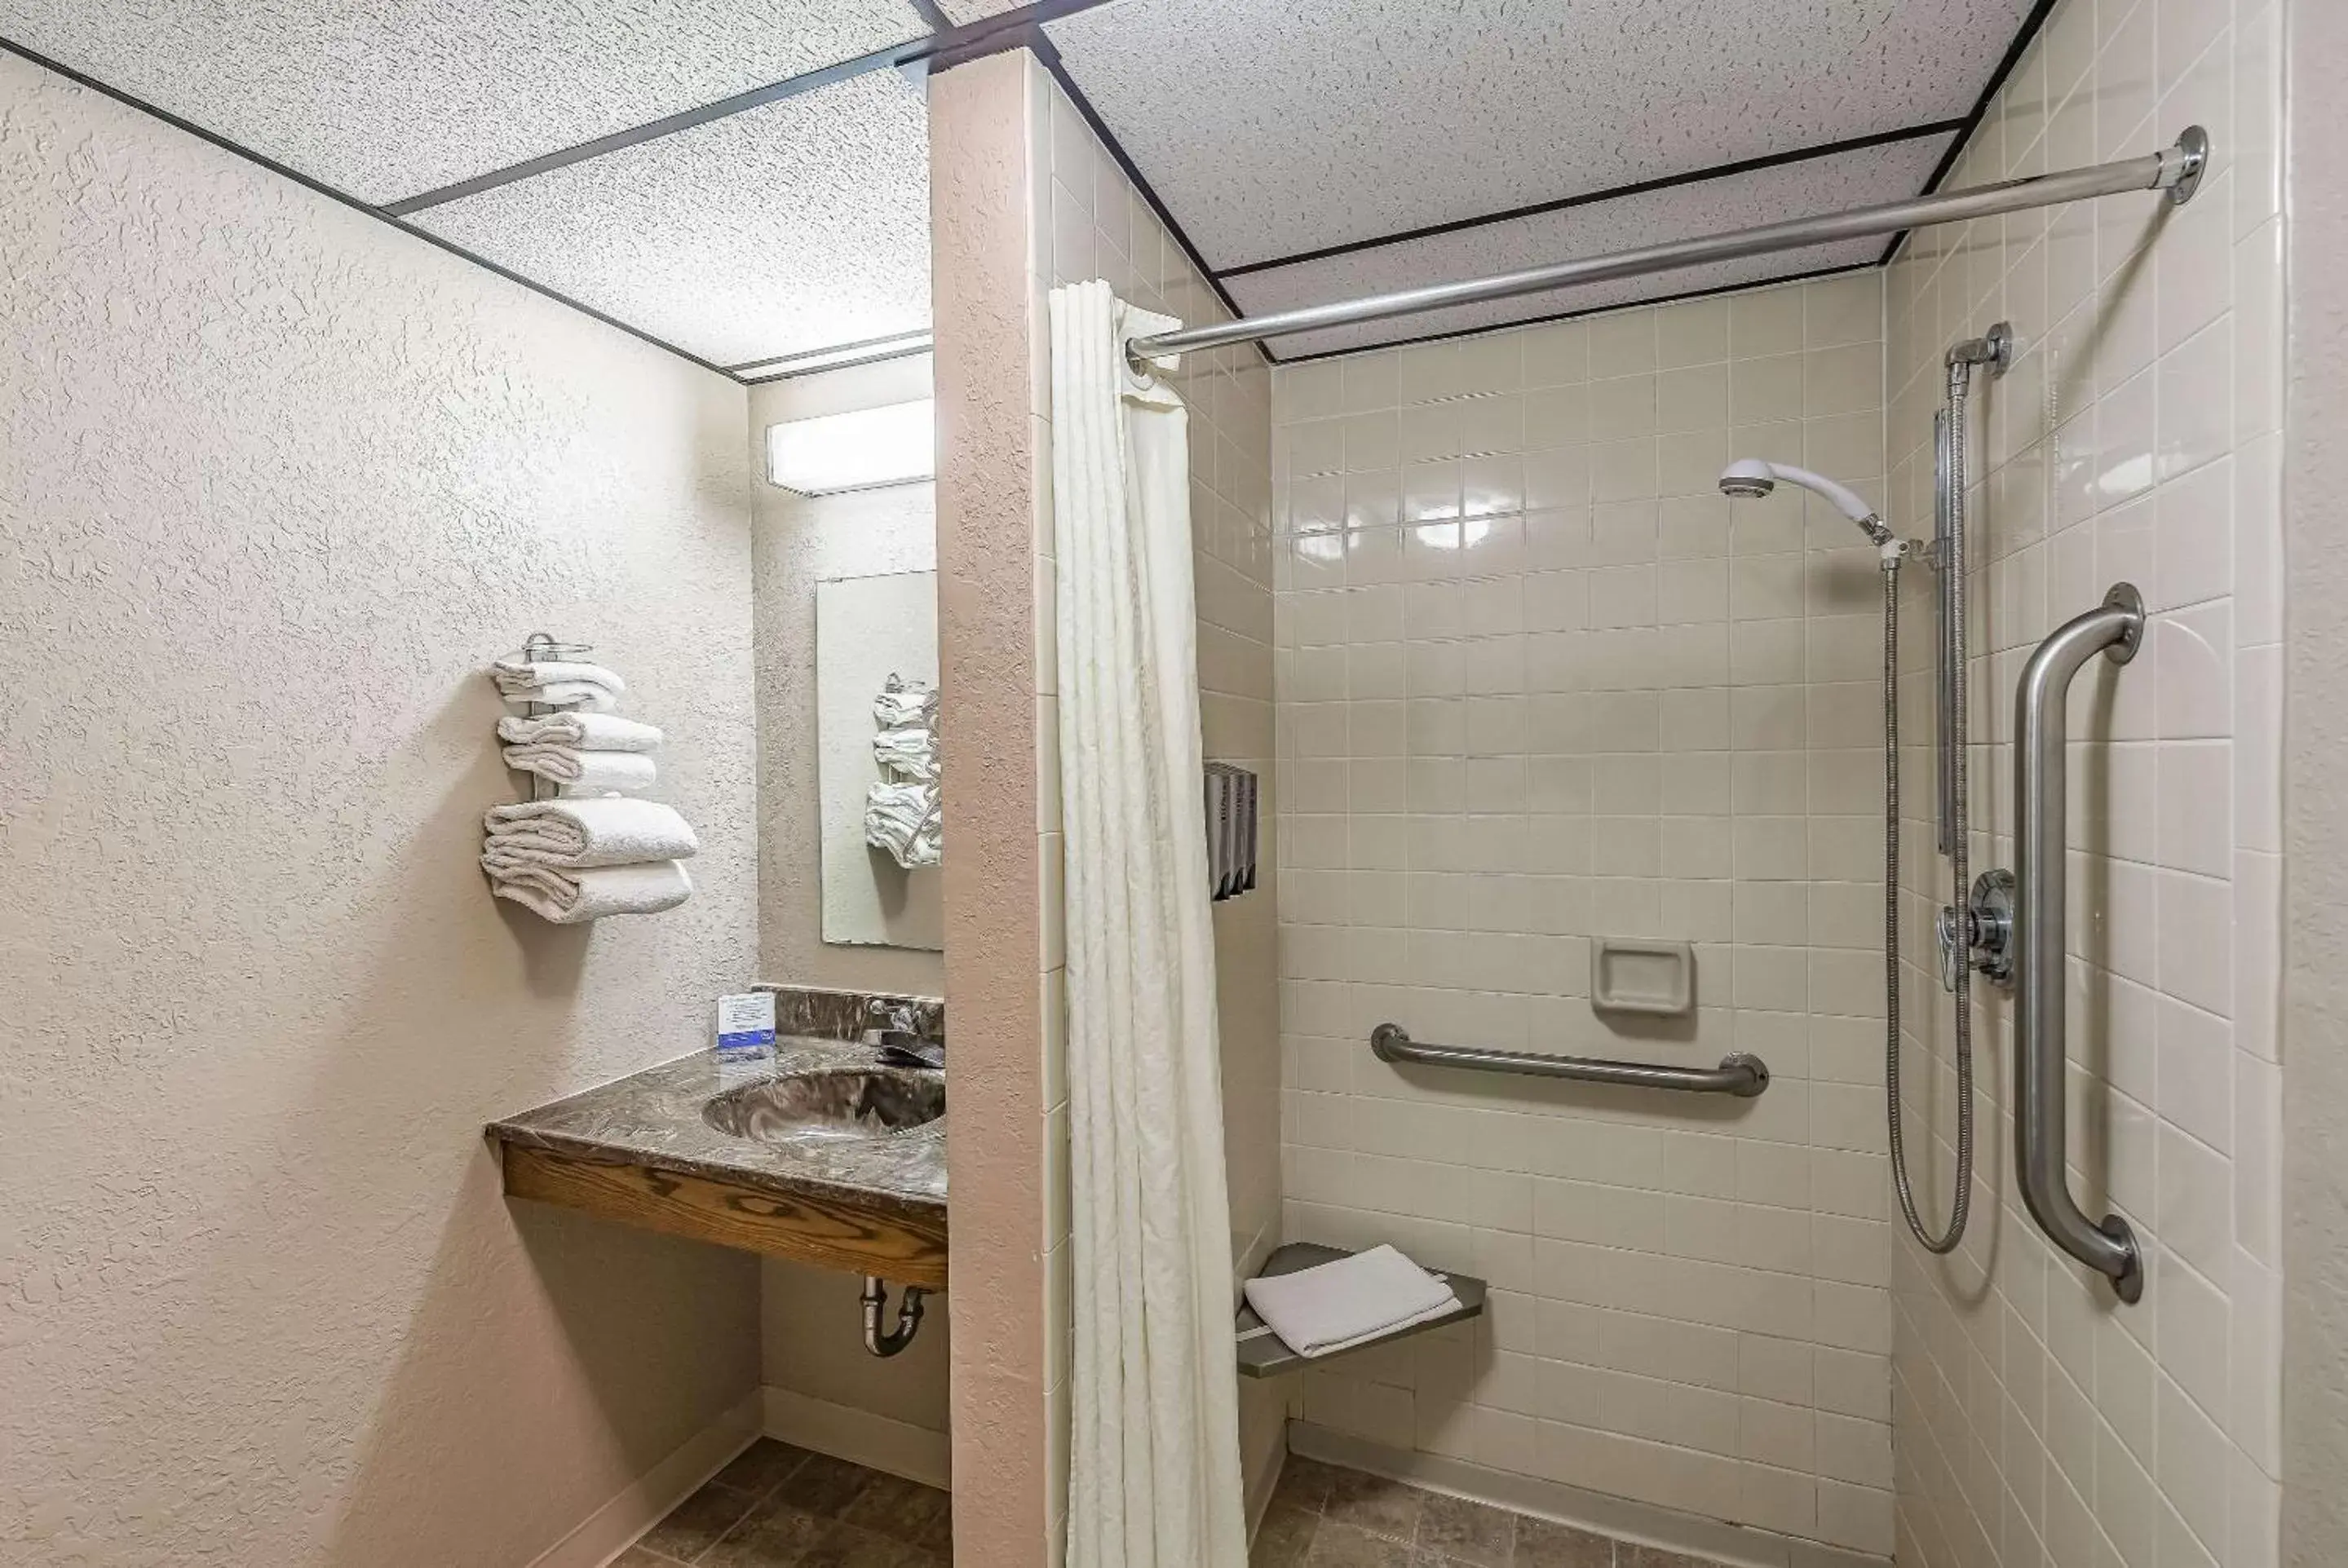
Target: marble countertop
{"x":654,"y":1118}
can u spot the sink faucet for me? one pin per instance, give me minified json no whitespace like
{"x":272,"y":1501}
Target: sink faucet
{"x":892,"y":1017}
{"x":895,"y":1028}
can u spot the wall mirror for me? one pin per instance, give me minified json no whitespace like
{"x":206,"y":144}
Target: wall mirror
{"x":871,"y":632}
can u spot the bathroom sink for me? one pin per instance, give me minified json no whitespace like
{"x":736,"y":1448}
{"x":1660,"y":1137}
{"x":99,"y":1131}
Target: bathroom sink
{"x":830,"y":1102}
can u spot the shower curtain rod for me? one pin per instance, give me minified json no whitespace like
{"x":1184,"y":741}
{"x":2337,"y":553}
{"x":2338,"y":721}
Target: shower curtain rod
{"x":2176,"y":168}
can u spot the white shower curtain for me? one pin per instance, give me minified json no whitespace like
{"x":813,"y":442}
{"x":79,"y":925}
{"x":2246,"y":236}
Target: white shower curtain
{"x":1153,"y":1466}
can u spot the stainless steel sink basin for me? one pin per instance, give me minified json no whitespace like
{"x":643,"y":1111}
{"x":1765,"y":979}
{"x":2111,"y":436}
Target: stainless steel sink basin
{"x":832,"y":1102}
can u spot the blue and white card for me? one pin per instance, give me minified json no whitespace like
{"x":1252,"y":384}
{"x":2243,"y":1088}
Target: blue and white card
{"x":746,"y":1024}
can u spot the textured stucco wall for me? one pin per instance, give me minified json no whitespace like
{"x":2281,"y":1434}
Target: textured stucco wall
{"x":812,"y":1323}
{"x":2315,"y":734}
{"x":276,"y":483}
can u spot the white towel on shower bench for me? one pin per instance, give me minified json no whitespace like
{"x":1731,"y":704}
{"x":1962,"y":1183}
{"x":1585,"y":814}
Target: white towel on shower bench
{"x":1337,"y":1306}
{"x":571,"y":835}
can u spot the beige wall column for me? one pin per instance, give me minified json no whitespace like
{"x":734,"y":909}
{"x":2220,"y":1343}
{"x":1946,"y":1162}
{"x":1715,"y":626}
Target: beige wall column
{"x":989,"y":484}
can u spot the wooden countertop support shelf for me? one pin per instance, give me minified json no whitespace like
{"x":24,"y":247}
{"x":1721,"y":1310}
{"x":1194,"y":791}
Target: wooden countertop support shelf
{"x":844,"y":1233}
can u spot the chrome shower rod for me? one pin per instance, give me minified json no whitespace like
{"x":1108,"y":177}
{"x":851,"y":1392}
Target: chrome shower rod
{"x":2176,"y":168}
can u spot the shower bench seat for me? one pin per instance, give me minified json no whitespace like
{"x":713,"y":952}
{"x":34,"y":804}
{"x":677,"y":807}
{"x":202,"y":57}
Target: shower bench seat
{"x":1263,"y":1354}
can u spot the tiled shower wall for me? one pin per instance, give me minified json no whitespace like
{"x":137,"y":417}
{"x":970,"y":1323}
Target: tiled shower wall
{"x":1539,"y":682}
{"x":1088,"y":221}
{"x":2137,"y":438}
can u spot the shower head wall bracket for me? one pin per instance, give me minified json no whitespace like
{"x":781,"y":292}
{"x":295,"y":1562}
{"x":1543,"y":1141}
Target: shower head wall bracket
{"x":1993,"y":348}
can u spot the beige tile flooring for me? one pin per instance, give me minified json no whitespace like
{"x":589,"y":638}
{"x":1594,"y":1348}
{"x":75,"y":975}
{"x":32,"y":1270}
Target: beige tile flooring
{"x":777,"y":1506}
{"x":1324,"y":1517}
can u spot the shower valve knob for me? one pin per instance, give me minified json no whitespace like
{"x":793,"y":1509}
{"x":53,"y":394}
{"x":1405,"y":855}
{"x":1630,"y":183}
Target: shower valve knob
{"x":1987,"y":939}
{"x":1993,"y":926}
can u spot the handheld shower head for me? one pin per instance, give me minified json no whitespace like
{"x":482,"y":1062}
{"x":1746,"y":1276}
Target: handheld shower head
{"x":1750,"y":478}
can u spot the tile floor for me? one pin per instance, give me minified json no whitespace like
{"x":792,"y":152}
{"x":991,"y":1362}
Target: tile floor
{"x":1324,"y":1517}
{"x":777,"y":1506}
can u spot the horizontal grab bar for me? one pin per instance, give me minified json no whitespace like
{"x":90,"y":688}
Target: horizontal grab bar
{"x":1738,"y":1073}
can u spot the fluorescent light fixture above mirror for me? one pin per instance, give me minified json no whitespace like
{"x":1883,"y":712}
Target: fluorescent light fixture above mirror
{"x":865,"y":449}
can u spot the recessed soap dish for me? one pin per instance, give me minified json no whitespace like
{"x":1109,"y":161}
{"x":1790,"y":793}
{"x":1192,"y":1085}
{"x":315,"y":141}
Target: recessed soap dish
{"x":1632,"y":975}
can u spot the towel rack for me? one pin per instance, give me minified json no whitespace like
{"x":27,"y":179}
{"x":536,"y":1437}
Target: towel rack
{"x":537,"y":648}
{"x":1739,"y":1073}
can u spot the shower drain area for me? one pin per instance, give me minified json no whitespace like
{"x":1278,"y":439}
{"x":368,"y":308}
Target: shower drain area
{"x":1325,"y":1516}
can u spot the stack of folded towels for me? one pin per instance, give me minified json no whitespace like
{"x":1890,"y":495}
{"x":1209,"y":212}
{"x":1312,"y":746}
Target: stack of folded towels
{"x":586,"y":753}
{"x":574,"y":860}
{"x":592,"y":852}
{"x":1338,"y":1306}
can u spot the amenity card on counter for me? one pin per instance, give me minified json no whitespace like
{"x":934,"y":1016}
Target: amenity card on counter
{"x":745,"y":1025}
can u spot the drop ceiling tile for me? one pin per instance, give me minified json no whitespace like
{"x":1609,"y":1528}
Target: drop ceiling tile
{"x":389,"y":98}
{"x":1272,"y":129}
{"x":962,"y":12}
{"x":798,"y":225}
{"x":1831,"y":184}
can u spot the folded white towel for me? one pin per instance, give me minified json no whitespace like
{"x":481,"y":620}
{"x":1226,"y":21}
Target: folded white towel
{"x":907,"y":820}
{"x":569,"y":897}
{"x":1337,"y":1306}
{"x":560,"y":682}
{"x":586,"y":732}
{"x":586,"y":773}
{"x":570,"y":833}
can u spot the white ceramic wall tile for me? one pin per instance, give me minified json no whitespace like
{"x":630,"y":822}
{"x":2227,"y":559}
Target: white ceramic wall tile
{"x":390,"y":100}
{"x":1250,"y":123}
{"x":1089,"y":222}
{"x":1515,"y":715}
{"x":1683,"y":212}
{"x":2038,"y":1421}
{"x":800,"y":225}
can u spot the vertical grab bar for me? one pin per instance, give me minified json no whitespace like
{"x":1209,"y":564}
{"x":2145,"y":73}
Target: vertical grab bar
{"x":2116,"y":629}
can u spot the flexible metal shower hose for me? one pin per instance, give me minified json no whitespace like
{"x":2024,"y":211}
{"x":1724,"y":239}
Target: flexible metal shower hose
{"x":1953,"y":576}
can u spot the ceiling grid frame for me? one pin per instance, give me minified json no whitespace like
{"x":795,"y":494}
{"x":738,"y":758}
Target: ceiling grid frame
{"x":1000,"y":30}
{"x":78,"y":79}
{"x":776,"y":233}
{"x":965,"y":29}
{"x":2010,"y":48}
{"x":383,"y":98}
